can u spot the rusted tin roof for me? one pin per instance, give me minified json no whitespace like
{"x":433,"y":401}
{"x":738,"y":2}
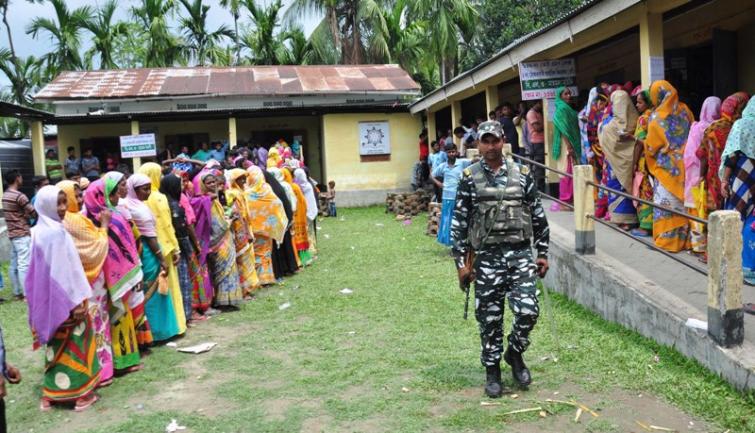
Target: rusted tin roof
{"x":231,"y":81}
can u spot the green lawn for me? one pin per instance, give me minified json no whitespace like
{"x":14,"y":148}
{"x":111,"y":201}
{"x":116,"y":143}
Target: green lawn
{"x":393,"y":356}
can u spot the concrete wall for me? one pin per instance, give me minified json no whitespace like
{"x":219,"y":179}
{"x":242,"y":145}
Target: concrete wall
{"x":362,"y":183}
{"x":619,"y":294}
{"x":216,"y":129}
{"x":70,"y":135}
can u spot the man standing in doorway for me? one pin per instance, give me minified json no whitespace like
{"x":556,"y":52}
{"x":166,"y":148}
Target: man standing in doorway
{"x":497,"y":215}
{"x":218,"y":151}
{"x":446,"y":176}
{"x":90,"y":166}
{"x":18,"y":211}
{"x":72,"y":164}
{"x":537,"y":141}
{"x":203,"y":154}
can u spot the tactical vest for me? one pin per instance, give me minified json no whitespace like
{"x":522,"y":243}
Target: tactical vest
{"x":501,"y":216}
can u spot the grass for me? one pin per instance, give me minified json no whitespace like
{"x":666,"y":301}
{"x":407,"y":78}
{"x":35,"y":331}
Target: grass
{"x":394,"y":356}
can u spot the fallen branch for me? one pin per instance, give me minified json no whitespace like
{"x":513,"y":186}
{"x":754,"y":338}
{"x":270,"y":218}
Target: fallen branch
{"x":579,"y":414}
{"x":532,"y":409}
{"x":574,"y":404}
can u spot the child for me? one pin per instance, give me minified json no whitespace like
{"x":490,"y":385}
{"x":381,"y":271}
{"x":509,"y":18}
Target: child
{"x":331,"y":196}
{"x":9,"y":373}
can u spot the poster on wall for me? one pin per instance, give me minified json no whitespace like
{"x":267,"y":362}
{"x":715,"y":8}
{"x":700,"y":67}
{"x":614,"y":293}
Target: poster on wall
{"x":136,"y":146}
{"x":374,"y":138}
{"x":541,"y":79}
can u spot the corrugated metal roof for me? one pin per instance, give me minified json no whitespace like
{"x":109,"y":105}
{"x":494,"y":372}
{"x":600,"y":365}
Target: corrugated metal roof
{"x":233,"y":81}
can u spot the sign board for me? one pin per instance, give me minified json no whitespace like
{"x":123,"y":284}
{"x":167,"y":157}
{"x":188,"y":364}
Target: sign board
{"x":541,"y":79}
{"x":374,"y":138}
{"x":657,"y":68}
{"x":136,"y":146}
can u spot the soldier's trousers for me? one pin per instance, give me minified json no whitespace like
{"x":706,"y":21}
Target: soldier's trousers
{"x":505,"y":273}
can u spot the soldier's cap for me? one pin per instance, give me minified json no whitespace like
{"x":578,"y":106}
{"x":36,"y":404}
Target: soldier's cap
{"x":490,"y":127}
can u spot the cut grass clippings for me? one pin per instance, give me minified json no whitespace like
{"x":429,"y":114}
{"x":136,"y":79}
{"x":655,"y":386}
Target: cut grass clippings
{"x":394,"y":355}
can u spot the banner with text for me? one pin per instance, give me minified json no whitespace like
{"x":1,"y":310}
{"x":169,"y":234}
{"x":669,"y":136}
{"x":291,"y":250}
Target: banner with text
{"x":136,"y":146}
{"x":541,"y":79}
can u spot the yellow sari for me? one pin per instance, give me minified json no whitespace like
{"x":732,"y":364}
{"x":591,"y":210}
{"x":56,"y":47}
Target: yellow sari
{"x":242,"y":233}
{"x":166,"y":238}
{"x":664,"y":153}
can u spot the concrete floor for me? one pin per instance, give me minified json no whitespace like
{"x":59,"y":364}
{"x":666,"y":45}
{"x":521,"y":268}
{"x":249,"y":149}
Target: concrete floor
{"x":678,"y":279}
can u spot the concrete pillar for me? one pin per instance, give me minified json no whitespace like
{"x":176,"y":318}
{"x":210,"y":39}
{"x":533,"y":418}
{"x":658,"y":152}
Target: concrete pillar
{"x":456,"y":122}
{"x":584,"y":207}
{"x":38,"y":148}
{"x":137,"y":162}
{"x":231,"y":132}
{"x":491,"y":99}
{"x":651,"y":47}
{"x":550,"y":176}
{"x":431,"y":127}
{"x":725,"y":315}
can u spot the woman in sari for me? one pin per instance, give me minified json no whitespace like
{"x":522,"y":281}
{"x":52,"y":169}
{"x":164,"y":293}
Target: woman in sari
{"x":171,"y":185}
{"x":710,"y":112}
{"x":268,"y":221}
{"x":664,"y":152}
{"x":307,"y":188}
{"x":644,"y":189}
{"x":92,"y":245}
{"x":159,"y":308}
{"x":567,"y":144}
{"x":284,"y":255}
{"x":294,"y":203}
{"x":301,"y":224}
{"x":218,"y":245}
{"x":57,"y":291}
{"x":618,"y":148}
{"x":123,"y":273}
{"x":737,"y":174}
{"x":709,"y":152}
{"x":273,"y":158}
{"x":584,"y":121}
{"x":242,"y":231}
{"x":166,"y":238}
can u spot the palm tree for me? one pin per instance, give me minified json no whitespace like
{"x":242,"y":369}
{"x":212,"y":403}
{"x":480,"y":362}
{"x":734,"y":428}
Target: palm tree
{"x":326,"y":37}
{"x":261,"y":39}
{"x":25,"y":76}
{"x":294,"y":48}
{"x":65,"y":33}
{"x":452,"y":22}
{"x":233,"y":6}
{"x":104,"y":34}
{"x":163,"y":47}
{"x":401,"y":41}
{"x":201,"y":44}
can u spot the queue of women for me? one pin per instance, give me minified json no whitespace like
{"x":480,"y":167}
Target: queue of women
{"x":647,"y":143}
{"x":128,"y":263}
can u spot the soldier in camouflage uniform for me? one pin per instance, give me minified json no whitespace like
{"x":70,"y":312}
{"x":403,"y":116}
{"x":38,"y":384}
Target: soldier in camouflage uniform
{"x":498,"y":213}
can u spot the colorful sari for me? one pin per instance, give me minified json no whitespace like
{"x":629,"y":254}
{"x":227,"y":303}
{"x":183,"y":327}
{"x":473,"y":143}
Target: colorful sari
{"x":301,"y":224}
{"x":221,"y":251}
{"x":596,"y":157}
{"x":57,"y":290}
{"x":308,"y":189}
{"x":713,"y":144}
{"x":566,"y":136}
{"x":268,"y":222}
{"x":123,"y":272}
{"x":242,"y":233}
{"x":710,"y":112}
{"x":644,"y":211}
{"x":169,"y":306}
{"x":664,"y":152}
{"x":584,"y":121}
{"x":92,"y":244}
{"x":619,"y":156}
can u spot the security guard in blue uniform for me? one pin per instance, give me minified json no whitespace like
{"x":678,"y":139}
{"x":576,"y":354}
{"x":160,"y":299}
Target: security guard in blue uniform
{"x":498,"y":214}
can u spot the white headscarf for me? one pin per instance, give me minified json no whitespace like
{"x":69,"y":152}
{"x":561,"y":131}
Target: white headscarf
{"x":278,"y":174}
{"x":300,"y":177}
{"x":140,"y":213}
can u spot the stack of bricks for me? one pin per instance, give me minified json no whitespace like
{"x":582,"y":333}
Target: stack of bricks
{"x":407,"y":204}
{"x":433,"y":219}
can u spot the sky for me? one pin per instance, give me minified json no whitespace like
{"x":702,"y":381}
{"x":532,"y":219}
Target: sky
{"x":21,"y":13}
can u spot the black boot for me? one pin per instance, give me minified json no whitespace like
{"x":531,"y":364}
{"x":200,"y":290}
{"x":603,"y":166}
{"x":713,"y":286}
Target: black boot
{"x":493,"y":387}
{"x":518,"y":369}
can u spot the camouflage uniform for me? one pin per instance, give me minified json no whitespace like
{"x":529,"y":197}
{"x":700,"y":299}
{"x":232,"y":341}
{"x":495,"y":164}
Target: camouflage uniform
{"x":502,"y":270}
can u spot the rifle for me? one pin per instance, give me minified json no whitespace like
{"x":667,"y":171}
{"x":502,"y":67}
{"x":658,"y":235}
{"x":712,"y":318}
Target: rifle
{"x":469,"y":259}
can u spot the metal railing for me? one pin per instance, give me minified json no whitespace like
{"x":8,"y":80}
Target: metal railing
{"x":611,"y":226}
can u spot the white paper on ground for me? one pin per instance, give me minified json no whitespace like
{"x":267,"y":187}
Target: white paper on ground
{"x":697,"y":324}
{"x":198,"y":348}
{"x":174,"y":427}
{"x":346,"y":291}
{"x":284,"y":306}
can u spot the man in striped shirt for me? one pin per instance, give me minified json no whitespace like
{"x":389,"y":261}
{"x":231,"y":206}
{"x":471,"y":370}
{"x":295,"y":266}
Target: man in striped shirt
{"x":18,"y":211}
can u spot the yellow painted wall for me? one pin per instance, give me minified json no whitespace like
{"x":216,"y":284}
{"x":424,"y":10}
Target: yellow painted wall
{"x":341,"y":146}
{"x":70,"y":135}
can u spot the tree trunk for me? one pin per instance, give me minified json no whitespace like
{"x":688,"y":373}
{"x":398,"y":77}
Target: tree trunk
{"x":238,"y":46}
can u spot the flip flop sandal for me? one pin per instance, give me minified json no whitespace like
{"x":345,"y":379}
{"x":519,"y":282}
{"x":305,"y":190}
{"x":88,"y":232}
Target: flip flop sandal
{"x":105,"y":383}
{"x":45,"y":404}
{"x":639,"y":233}
{"x":86,"y":404}
{"x":749,"y":308}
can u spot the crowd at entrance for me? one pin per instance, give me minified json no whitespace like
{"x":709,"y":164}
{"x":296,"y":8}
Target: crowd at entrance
{"x":112,"y":264}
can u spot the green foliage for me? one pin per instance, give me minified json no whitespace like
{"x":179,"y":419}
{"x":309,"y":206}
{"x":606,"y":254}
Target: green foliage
{"x":504,"y":21}
{"x":202,"y":46}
